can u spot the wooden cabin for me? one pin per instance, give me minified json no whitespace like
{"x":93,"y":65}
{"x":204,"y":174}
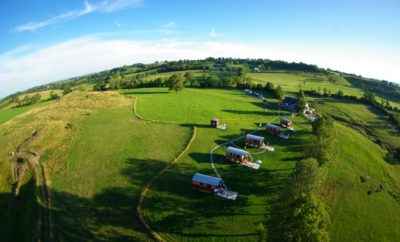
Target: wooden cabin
{"x":233,"y":154}
{"x":286,"y":122}
{"x":207,"y":183}
{"x":273,"y":129}
{"x":290,"y":104}
{"x":254,"y":140}
{"x":214,"y":123}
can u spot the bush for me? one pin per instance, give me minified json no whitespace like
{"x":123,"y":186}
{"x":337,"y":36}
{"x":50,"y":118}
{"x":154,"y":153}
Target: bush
{"x":53,"y":96}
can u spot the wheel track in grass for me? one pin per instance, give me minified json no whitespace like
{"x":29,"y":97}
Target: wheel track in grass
{"x":139,"y":209}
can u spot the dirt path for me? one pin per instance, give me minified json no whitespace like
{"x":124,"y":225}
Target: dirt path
{"x":139,"y":209}
{"x":23,"y":160}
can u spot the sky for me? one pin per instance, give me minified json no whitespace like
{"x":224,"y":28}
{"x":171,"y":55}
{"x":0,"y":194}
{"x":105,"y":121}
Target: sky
{"x":45,"y":40}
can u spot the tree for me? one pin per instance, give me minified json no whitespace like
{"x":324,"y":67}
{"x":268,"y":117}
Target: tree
{"x":323,"y":143}
{"x":67,"y":89}
{"x":278,"y":93}
{"x":100,"y":86}
{"x":305,"y":177}
{"x":36,"y":98}
{"x":369,"y":97}
{"x":309,"y":220}
{"x":340,"y":93}
{"x":188,"y":78}
{"x":53,"y":96}
{"x":175,"y":82}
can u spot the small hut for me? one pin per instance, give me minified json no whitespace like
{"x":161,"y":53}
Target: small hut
{"x":214,"y":123}
{"x":254,"y":141}
{"x":290,"y":104}
{"x":286,"y":122}
{"x":233,"y":154}
{"x":273,"y":129}
{"x":207,"y":183}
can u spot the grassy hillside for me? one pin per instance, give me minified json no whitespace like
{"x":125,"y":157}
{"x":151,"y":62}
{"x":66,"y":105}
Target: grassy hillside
{"x":358,"y":211}
{"x":110,"y":159}
{"x":364,"y":118}
{"x":99,"y":156}
{"x":98,"y":159}
{"x":178,"y":212}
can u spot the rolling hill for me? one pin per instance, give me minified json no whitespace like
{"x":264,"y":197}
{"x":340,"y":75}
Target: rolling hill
{"x":113,"y":159}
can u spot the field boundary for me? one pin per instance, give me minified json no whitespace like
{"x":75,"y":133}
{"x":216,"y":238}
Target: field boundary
{"x":146,"y":189}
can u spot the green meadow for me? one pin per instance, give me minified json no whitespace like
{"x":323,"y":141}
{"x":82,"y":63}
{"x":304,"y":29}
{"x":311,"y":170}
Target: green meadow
{"x":99,"y":156}
{"x":179,"y":213}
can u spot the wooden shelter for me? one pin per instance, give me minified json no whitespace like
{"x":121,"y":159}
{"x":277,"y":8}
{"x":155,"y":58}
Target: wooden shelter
{"x":286,"y":122}
{"x":233,"y":154}
{"x":214,"y":123}
{"x":254,"y":140}
{"x":273,"y":129}
{"x":207,"y":183}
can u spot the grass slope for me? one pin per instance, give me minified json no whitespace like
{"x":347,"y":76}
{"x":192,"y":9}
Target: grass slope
{"x":98,"y":159}
{"x":112,"y":156}
{"x":179,"y":213}
{"x":356,"y":215}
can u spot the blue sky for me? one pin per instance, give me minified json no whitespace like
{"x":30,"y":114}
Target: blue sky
{"x":45,"y":40}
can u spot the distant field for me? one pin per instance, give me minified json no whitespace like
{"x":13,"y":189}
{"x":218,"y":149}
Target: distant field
{"x":9,"y":113}
{"x":292,"y":82}
{"x":182,"y":214}
{"x":165,"y":74}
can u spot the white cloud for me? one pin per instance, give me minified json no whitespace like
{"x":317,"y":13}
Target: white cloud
{"x":20,"y":70}
{"x":103,"y":6}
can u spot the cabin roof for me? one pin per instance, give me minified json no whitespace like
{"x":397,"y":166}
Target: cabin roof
{"x":290,"y":100}
{"x":212,"y":180}
{"x":254,"y":137}
{"x":236,"y":151}
{"x":273,"y":126}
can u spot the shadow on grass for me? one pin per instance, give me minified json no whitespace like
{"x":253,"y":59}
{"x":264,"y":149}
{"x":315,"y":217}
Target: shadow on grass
{"x":108,"y":215}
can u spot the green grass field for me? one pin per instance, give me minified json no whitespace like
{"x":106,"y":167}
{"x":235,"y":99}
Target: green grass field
{"x":292,"y":82}
{"x":9,"y":113}
{"x":179,"y":213}
{"x":356,"y":215}
{"x":99,"y":156}
{"x":111,"y":157}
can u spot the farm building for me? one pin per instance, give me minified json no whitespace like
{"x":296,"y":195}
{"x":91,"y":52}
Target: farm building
{"x":290,"y":104}
{"x":286,"y":122}
{"x":273,"y":129}
{"x":214,"y":123}
{"x":207,"y":183}
{"x":254,"y":140}
{"x":233,"y":154}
